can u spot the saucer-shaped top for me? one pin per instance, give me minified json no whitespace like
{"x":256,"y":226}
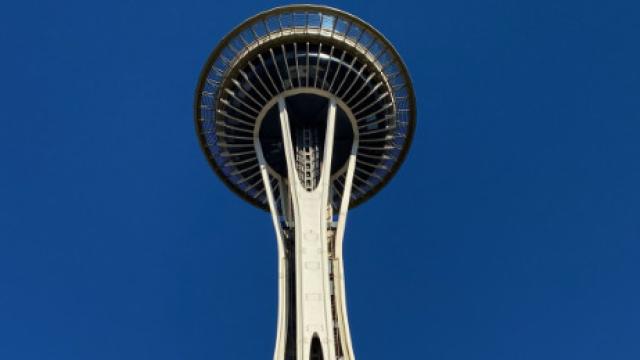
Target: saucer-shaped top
{"x":304,"y":53}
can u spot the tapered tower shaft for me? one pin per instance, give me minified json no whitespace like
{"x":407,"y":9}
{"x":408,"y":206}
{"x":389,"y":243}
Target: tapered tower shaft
{"x":312,"y":317}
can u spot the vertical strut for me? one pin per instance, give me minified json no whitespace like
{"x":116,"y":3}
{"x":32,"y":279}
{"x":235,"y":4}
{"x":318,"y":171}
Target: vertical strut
{"x":338,"y":265}
{"x":282,"y":267}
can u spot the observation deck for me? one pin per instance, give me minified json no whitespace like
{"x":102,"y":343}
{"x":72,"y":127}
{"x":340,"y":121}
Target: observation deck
{"x":295,"y":50}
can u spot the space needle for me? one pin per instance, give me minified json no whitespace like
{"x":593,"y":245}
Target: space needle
{"x":306,"y":111}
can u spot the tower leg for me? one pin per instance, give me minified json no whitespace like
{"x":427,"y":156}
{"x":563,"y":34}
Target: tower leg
{"x":313,"y":290}
{"x":312,"y":321}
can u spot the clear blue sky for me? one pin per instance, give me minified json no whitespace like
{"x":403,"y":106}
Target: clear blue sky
{"x":511,"y":232}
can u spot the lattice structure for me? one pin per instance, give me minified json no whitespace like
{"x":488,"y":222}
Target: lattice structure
{"x":306,"y":111}
{"x":308,"y":157}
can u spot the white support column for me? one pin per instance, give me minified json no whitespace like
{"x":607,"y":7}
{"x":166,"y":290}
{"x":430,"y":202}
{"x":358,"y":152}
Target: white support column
{"x":270,"y":199}
{"x":346,"y":197}
{"x":318,"y":269}
{"x":281,"y":333}
{"x":313,"y":288}
{"x":338,"y":264}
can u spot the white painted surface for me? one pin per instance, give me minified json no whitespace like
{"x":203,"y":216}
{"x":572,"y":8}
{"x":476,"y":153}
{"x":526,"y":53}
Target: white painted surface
{"x":307,"y":212}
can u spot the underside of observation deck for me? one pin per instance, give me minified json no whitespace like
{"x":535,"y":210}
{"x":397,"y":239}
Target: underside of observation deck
{"x":304,"y":49}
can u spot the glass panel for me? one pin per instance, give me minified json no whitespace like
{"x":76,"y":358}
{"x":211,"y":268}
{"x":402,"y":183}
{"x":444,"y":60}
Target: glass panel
{"x":365,"y":39}
{"x":237,"y":43}
{"x":314,"y":20}
{"x":300,"y":20}
{"x":342,"y":26}
{"x":392,"y":71}
{"x":354,"y":32}
{"x":286,"y":20}
{"x":273,"y":24}
{"x":228,"y":54}
{"x":260,"y":29}
{"x":210,"y":85}
{"x":247,"y":35}
{"x":219,"y":67}
{"x":384,"y":58}
{"x":327,"y":22}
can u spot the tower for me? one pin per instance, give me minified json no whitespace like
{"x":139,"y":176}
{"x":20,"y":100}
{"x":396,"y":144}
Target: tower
{"x":306,"y":111}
